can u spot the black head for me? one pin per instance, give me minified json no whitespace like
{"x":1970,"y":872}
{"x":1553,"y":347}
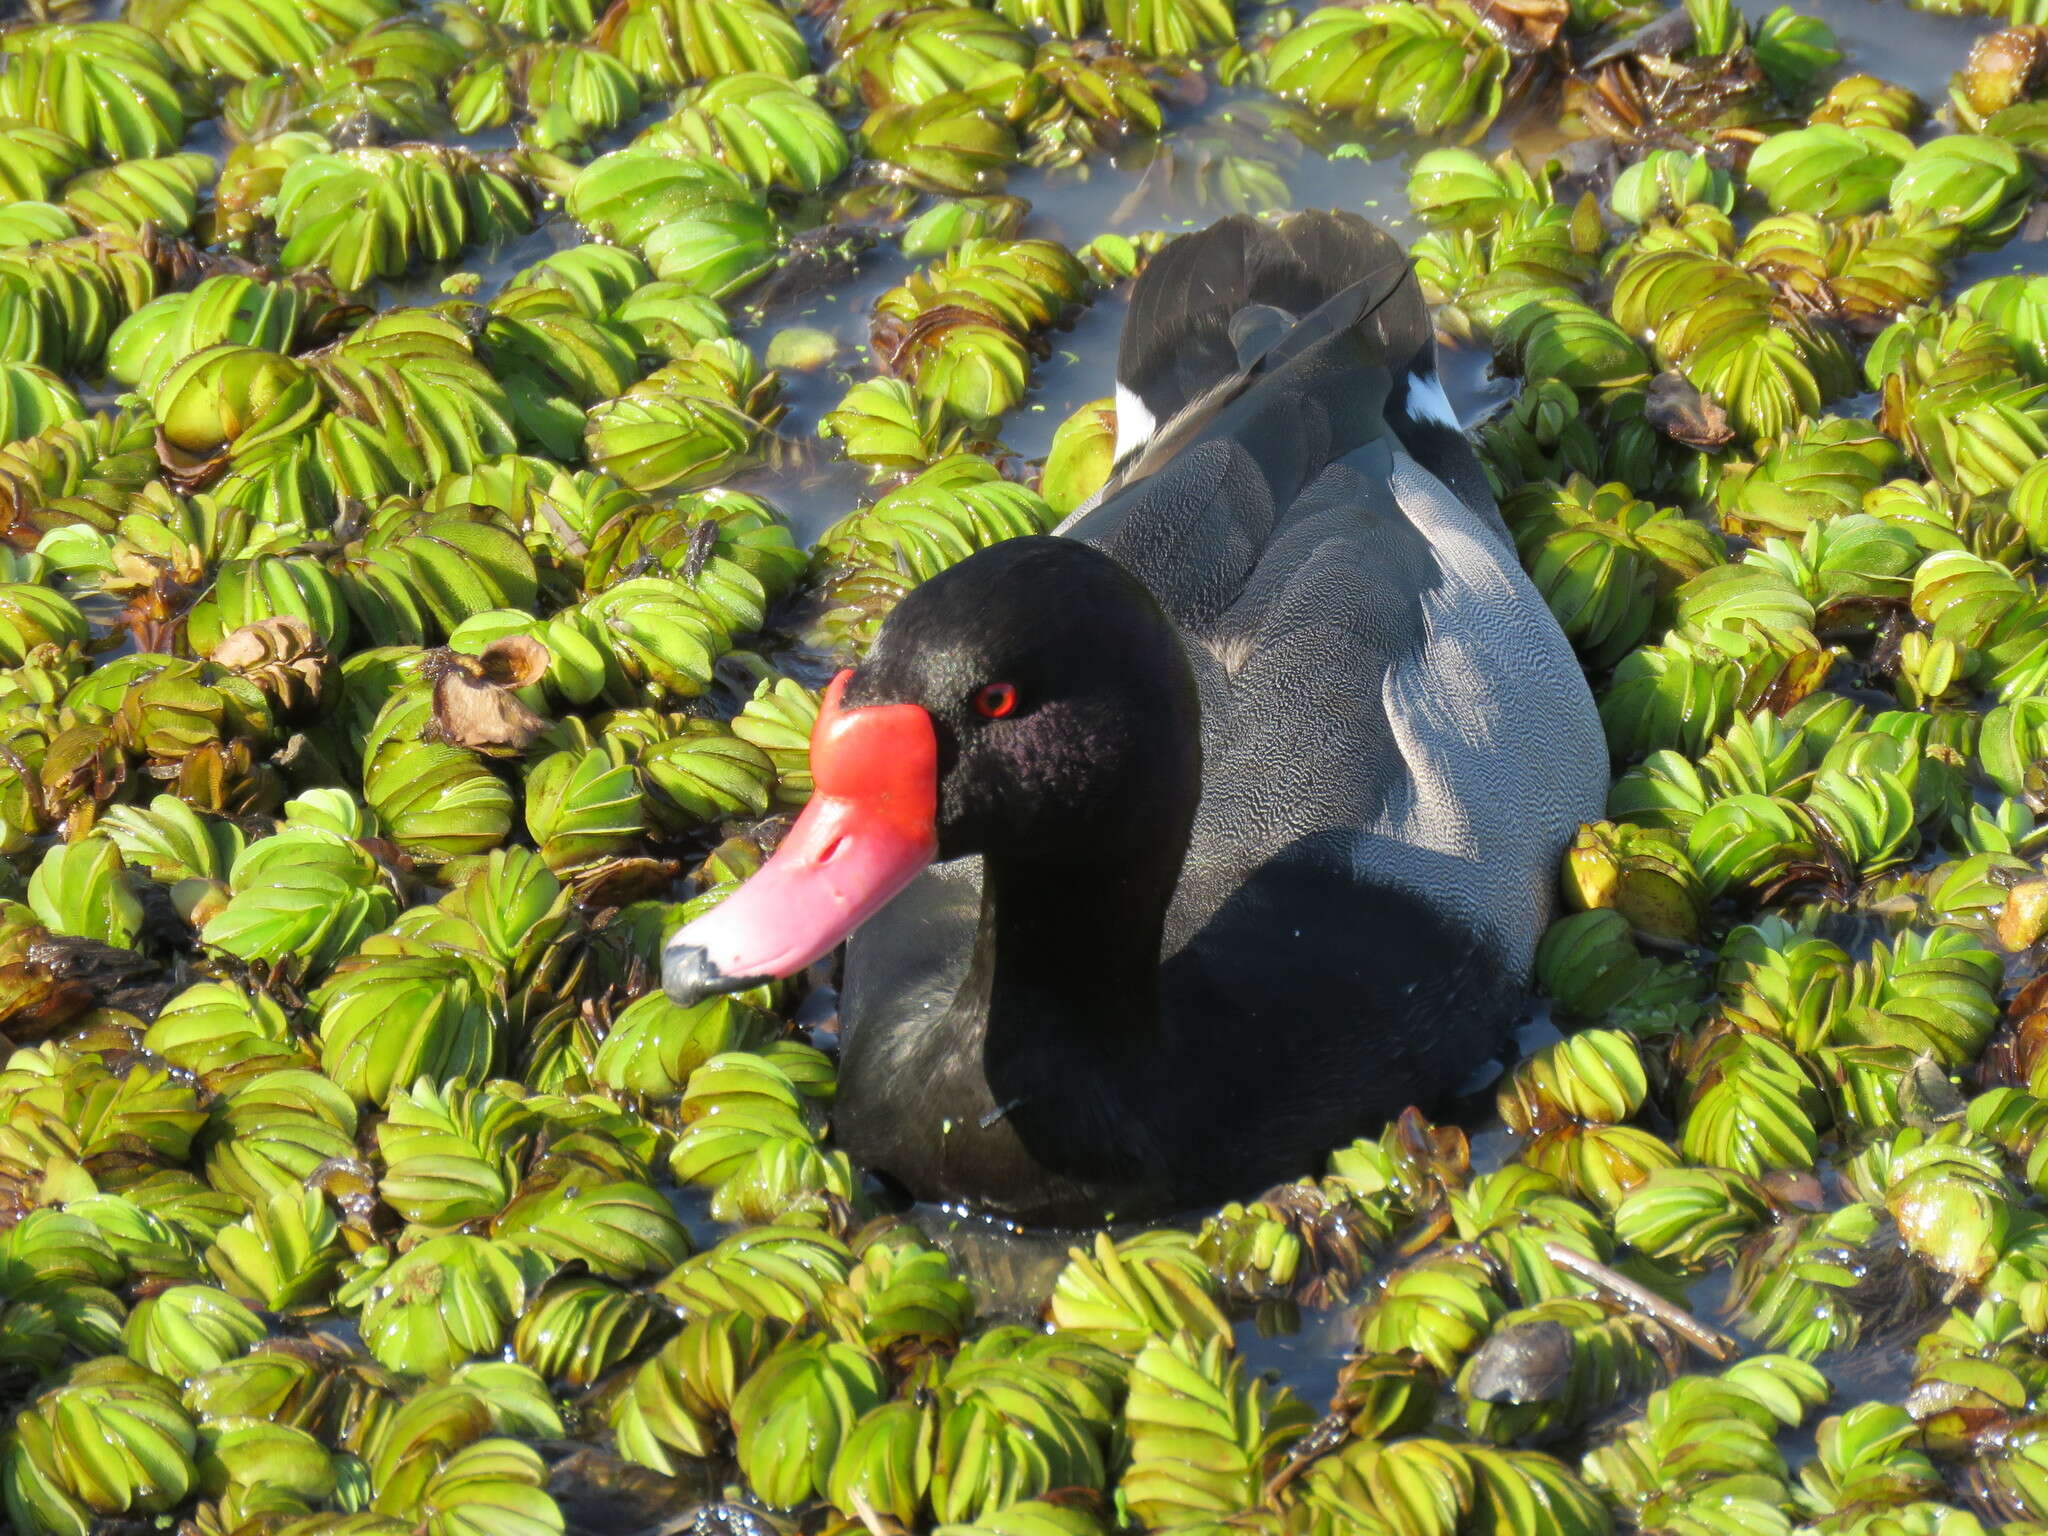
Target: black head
{"x":1066,"y":713}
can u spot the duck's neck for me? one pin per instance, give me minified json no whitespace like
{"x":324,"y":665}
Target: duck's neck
{"x":1062,"y":997}
{"x":1069,"y":956}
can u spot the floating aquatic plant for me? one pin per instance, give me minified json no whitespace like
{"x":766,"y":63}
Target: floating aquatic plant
{"x":384,"y":672}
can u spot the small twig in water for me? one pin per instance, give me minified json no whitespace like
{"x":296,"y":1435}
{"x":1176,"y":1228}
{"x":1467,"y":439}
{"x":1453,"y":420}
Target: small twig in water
{"x":1709,"y":1341}
{"x":872,"y":1518}
{"x":1323,"y":1437}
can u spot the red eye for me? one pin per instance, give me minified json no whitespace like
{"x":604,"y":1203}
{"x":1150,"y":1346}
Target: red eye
{"x":995,"y":700}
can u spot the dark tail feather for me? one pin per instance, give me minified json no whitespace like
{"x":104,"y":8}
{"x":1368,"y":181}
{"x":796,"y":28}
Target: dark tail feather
{"x":1214,"y":304}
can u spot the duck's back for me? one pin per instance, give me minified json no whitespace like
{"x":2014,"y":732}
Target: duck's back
{"x":1397,"y":740}
{"x":1386,"y":697}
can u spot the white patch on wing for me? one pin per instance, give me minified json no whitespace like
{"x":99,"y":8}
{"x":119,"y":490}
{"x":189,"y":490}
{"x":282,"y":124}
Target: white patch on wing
{"x":1134,"y":422}
{"x":1232,"y":652}
{"x":1427,"y":402}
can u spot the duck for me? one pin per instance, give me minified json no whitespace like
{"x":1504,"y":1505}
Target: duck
{"x":1215,"y":828}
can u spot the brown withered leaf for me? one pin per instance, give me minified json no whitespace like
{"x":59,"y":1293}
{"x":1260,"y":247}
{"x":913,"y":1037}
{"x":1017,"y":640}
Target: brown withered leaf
{"x":48,"y":981}
{"x":1649,"y":100}
{"x":188,"y":471}
{"x":181,"y":263}
{"x":1526,"y":26}
{"x":472,"y":713}
{"x":83,"y":763}
{"x":154,"y":615}
{"x":254,"y":644}
{"x":1685,"y":415}
{"x":895,"y":340}
{"x":225,"y":777}
{"x":35,"y":1005}
{"x":474,"y":702}
{"x":514,"y":661}
{"x":280,"y":655}
{"x":1338,"y":1251}
{"x":618,"y":882}
{"x":2020,"y":1040}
